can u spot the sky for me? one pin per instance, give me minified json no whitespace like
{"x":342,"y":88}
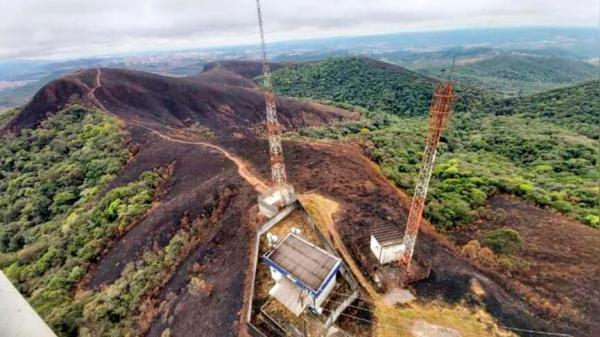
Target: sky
{"x":45,"y":29}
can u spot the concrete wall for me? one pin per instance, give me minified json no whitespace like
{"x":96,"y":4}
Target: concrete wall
{"x":386,"y":254}
{"x":319,"y":300}
{"x":262,"y":230}
{"x":17,"y":317}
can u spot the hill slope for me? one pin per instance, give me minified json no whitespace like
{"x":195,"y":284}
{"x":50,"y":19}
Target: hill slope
{"x":168,"y":101}
{"x":167,"y":231}
{"x":574,"y":107}
{"x":507,"y":152}
{"x":515,"y":74}
{"x":246,"y":69}
{"x":371,"y":84}
{"x":533,"y":155}
{"x":128,"y":191}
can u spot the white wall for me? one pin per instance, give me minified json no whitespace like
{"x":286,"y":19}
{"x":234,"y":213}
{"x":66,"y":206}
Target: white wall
{"x":319,"y":300}
{"x":386,"y":254}
{"x":275,"y":275}
{"x":17,"y":317}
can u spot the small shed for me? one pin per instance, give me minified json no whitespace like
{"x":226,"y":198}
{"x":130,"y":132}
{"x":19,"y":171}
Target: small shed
{"x":304,"y":274}
{"x":387,"y":243}
{"x":270,"y":202}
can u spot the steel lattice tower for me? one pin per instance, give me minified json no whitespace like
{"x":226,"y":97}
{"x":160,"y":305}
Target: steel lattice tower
{"x":278,"y":173}
{"x":441,"y":106}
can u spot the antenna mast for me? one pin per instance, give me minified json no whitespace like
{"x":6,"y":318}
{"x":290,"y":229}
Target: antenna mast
{"x":441,"y":106}
{"x":278,"y":174}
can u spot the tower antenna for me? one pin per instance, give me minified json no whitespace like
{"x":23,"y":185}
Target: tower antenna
{"x":441,"y":106}
{"x":281,"y":190}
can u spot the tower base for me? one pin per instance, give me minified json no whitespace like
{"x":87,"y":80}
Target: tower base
{"x":276,"y":198}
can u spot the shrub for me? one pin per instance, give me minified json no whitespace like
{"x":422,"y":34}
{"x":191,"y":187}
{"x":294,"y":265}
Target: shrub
{"x":202,"y":131}
{"x":511,"y":264}
{"x":452,"y":210}
{"x":32,"y":251}
{"x":477,"y":196}
{"x":503,"y":240}
{"x":471,"y":249}
{"x":592,"y":220}
{"x":486,"y":256}
{"x":65,"y":197}
{"x":6,"y":259}
{"x":563,"y":206}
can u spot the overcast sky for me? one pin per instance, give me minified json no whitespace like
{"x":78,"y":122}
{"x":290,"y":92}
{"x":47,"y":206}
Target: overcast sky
{"x":73,"y":28}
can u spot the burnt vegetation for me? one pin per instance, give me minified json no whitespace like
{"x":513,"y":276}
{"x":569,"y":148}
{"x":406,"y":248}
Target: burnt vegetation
{"x":109,"y":227}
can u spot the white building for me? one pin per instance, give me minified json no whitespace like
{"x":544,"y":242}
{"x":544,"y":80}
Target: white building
{"x":386,"y":243}
{"x":304,"y":274}
{"x":270,"y":202}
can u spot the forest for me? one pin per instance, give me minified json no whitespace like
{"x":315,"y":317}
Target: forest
{"x":58,"y":216}
{"x":358,"y":81}
{"x":528,"y":146}
{"x":514,"y":74}
{"x":574,"y":107}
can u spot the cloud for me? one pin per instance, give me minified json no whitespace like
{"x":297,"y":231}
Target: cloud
{"x":41,"y":28}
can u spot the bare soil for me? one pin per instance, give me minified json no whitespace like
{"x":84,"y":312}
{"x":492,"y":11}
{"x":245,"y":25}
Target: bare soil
{"x":558,"y":267}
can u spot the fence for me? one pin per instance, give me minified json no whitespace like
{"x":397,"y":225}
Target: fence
{"x":340,"y":308}
{"x":346,"y":274}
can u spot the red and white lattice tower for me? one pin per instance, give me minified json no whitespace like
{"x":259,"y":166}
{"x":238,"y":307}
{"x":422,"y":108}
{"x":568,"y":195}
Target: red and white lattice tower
{"x":278,"y":173}
{"x":441,"y":106}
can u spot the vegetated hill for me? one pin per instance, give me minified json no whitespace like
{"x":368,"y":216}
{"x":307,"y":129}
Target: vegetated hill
{"x":482,"y":157}
{"x":481,"y":154}
{"x":428,"y":59}
{"x":141,"y":201}
{"x":518,"y":74}
{"x":360,"y":81}
{"x":374,"y":85}
{"x":575,"y":107}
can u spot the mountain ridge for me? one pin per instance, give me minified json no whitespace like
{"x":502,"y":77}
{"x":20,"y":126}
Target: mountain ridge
{"x":190,"y":188}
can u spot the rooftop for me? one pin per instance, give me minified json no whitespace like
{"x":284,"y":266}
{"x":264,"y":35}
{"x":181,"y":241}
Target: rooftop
{"x":388,"y":234}
{"x":304,"y":261}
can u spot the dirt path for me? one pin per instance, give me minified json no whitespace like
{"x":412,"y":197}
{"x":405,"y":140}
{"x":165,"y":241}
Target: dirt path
{"x":243,"y":168}
{"x":92,"y":93}
{"x":310,"y":201}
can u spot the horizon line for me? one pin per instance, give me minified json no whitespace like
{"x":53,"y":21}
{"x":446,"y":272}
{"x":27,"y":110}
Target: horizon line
{"x":293,"y":40}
